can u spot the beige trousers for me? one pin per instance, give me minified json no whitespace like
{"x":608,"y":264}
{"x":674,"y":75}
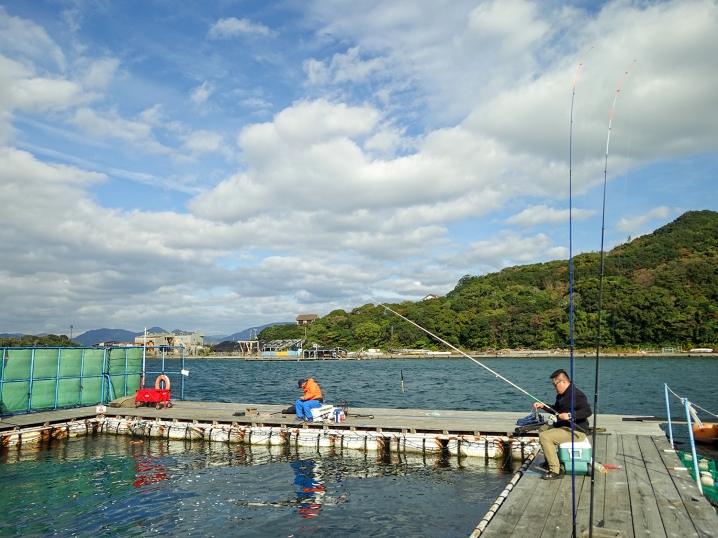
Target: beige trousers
{"x":550,"y":438}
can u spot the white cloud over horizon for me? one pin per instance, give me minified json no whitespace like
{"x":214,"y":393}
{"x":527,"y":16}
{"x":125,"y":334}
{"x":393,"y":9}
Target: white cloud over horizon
{"x":400,"y":146}
{"x":232,"y":27}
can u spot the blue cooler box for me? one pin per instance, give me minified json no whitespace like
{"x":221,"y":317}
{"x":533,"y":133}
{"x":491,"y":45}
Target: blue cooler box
{"x":581,"y":459}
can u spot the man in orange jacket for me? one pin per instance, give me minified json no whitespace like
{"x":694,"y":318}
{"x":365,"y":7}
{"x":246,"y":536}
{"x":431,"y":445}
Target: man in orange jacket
{"x":312,"y":399}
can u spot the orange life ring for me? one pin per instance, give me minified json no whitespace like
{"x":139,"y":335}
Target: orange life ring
{"x":161,"y":378}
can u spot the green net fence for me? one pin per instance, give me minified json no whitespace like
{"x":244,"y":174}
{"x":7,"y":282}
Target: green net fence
{"x":49,"y":378}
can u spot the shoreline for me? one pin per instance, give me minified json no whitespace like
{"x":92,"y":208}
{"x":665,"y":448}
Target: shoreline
{"x":515,"y":355}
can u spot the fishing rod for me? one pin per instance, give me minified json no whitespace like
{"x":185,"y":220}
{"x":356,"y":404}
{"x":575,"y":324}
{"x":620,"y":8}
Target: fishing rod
{"x":570,"y":285}
{"x":545,"y":405}
{"x":600,"y":290}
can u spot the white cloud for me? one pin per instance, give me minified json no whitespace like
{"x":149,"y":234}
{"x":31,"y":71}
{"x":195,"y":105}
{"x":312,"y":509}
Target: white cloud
{"x":73,"y":18}
{"x":507,"y":249}
{"x":512,"y":25}
{"x":256,"y":102}
{"x":203,"y":141}
{"x":100,"y":73}
{"x":111,"y":125}
{"x":30,"y":40}
{"x":21,"y":88}
{"x":633,"y":225}
{"x":200,"y":94}
{"x":542,"y":214}
{"x":232,"y":27}
{"x":317,"y":72}
{"x":347,"y":67}
{"x":441,"y":111}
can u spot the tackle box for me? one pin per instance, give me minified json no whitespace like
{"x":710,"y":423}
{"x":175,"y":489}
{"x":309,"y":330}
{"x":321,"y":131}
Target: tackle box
{"x":581,"y":459}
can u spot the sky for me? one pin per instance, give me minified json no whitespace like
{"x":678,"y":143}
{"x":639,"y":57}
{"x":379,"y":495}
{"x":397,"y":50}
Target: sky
{"x":218,"y":165}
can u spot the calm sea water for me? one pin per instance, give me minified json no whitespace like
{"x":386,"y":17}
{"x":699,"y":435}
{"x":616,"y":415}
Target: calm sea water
{"x":107,"y":486}
{"x":627,"y":386}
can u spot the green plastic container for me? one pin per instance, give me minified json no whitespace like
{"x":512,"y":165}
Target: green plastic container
{"x":581,"y":459}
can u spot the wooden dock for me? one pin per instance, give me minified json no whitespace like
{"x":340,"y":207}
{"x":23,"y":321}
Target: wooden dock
{"x":644,"y":497}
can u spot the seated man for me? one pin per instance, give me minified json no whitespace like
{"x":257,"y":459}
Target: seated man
{"x":312,"y":399}
{"x":552,"y":436}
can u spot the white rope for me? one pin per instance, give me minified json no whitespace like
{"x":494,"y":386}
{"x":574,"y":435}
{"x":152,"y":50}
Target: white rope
{"x":691,"y":406}
{"x":699,"y":407}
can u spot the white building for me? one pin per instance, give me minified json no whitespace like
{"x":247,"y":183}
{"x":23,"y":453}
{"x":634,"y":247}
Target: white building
{"x":192,"y":342}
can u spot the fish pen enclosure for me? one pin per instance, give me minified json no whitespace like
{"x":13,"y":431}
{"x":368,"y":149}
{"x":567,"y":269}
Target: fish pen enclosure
{"x":44,"y":378}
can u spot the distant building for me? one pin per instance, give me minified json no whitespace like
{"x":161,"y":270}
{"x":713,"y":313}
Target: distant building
{"x":306,"y":319}
{"x":430,"y":296}
{"x":192,"y":342}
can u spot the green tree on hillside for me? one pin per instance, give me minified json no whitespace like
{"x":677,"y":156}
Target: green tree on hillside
{"x":660,"y":289}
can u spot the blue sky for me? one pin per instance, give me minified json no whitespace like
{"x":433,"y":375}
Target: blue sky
{"x":219,"y":165}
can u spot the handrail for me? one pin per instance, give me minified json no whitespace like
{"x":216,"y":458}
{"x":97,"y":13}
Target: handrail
{"x":693,"y":445}
{"x":668,"y":414}
{"x":687,"y":406}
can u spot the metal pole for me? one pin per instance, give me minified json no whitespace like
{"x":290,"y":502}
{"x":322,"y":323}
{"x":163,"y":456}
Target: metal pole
{"x":32,"y":373}
{"x":668,"y":414}
{"x":2,"y":372}
{"x":105,"y":369}
{"x":82,"y":374}
{"x":182,"y":376}
{"x":693,"y":444}
{"x":57,"y":376}
{"x":144,"y":352}
{"x":127,"y":367}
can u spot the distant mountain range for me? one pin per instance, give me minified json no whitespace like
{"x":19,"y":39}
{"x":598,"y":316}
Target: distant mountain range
{"x":95,"y":336}
{"x":246,"y":334}
{"x":11,"y":335}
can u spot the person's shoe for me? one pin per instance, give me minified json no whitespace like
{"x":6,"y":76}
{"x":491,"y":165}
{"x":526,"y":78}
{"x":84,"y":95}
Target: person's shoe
{"x":299,"y":419}
{"x":549,"y":475}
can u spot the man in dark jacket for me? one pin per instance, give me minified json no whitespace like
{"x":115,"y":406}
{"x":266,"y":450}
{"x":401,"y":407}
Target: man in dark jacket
{"x":560,"y":432}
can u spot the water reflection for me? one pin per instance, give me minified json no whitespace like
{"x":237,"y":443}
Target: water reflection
{"x":307,"y":477}
{"x":115,"y":485}
{"x":149,"y":470}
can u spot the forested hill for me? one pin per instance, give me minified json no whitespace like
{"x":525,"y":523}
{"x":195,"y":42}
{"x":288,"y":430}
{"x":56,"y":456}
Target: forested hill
{"x":660,"y":289}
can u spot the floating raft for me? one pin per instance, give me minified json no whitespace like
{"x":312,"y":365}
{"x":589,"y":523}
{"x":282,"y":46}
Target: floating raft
{"x":458,"y":433}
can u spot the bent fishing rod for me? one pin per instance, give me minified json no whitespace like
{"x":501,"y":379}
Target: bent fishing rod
{"x":546,"y":406}
{"x":600,"y":289}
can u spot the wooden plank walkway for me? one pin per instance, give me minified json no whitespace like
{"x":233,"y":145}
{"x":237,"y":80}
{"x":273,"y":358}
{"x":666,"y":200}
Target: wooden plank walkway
{"x":644,"y":498}
{"x":485,"y":422}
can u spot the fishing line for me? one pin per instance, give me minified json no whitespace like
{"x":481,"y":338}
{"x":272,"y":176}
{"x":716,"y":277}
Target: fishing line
{"x":600,"y":290}
{"x":549,"y":408}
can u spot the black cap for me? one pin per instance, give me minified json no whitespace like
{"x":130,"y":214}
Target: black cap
{"x":301,"y":383}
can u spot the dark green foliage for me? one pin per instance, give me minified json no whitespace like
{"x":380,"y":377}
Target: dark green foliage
{"x":49,"y":340}
{"x":659,"y":290}
{"x":282,"y":332}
